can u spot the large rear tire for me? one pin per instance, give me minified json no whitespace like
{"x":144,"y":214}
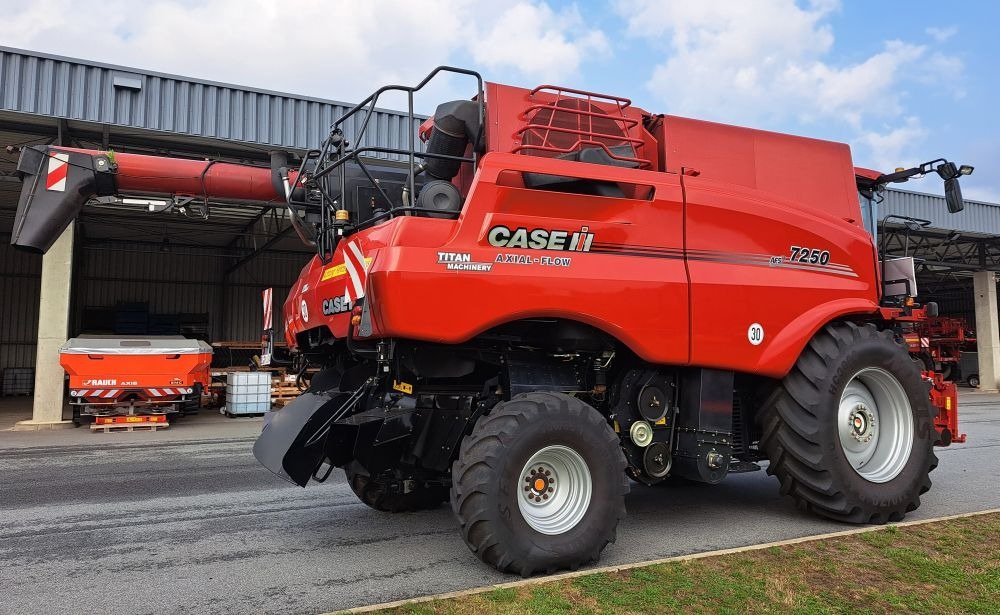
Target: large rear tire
{"x":393,"y":495}
{"x":539,"y":484}
{"x":849,"y":433}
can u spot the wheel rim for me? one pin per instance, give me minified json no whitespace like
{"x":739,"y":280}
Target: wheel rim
{"x":555,"y":490}
{"x":876,"y":425}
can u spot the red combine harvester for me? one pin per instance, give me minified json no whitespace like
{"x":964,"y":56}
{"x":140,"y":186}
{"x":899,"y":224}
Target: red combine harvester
{"x":559,"y":292}
{"x":112,"y":376}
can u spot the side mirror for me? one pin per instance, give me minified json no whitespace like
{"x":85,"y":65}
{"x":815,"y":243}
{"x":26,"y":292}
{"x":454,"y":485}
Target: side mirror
{"x":953,"y":195}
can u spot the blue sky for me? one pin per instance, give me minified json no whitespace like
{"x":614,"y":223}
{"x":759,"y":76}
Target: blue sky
{"x":902,"y":82}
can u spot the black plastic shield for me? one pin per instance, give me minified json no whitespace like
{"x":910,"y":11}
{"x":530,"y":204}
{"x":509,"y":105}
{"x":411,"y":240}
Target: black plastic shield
{"x":55,"y":186}
{"x":293,"y":442}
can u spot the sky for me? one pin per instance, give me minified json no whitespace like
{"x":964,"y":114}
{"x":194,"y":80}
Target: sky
{"x":901,"y":82}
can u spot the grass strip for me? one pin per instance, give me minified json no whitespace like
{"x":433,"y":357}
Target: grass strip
{"x":943,"y":567}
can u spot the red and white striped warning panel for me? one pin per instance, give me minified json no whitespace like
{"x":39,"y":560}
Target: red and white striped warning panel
{"x":357,"y":271}
{"x":111,"y":393}
{"x":102,"y":393}
{"x":164,"y":392}
{"x":266,"y":296}
{"x":58,"y":169}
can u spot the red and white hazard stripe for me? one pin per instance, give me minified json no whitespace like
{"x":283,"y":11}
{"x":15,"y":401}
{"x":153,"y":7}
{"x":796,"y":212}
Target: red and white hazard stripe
{"x":357,"y":271}
{"x":102,"y":393}
{"x":163,"y":392}
{"x":58,"y":169}
{"x":266,"y":296}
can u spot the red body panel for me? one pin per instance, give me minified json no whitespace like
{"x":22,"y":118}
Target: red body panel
{"x":680,"y":276}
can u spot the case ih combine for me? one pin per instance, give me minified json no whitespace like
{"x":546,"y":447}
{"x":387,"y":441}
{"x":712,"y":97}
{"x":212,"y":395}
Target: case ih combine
{"x":561,"y":293}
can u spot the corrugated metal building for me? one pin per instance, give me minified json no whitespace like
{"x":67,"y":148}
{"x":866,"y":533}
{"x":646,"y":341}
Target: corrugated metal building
{"x":211,"y":271}
{"x":978,"y":217}
{"x":172,"y":265}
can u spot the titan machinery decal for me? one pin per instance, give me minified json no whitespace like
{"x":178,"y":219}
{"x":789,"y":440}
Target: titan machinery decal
{"x":541,"y":239}
{"x":461,"y":261}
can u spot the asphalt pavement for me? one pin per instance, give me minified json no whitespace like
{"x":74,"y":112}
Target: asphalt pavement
{"x":190,"y":523}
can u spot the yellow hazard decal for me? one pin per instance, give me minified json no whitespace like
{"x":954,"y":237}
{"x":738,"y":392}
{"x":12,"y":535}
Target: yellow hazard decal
{"x":403,"y":387}
{"x":338,"y":270}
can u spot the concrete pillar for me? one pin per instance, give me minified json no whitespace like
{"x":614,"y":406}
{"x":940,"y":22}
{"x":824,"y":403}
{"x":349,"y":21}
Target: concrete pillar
{"x":987,"y":329}
{"x":53,"y":328}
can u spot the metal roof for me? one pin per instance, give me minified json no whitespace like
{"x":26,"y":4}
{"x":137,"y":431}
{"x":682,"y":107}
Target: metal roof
{"x":979,"y":218}
{"x":80,"y":90}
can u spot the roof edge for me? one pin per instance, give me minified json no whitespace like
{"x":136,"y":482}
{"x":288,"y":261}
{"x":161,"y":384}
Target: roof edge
{"x":162,"y":75}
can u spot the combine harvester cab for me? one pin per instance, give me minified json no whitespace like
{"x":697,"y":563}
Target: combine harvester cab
{"x":117,"y":376}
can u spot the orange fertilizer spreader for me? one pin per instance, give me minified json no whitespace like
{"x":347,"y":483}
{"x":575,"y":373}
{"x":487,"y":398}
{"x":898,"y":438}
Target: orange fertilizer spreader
{"x":111,"y":375}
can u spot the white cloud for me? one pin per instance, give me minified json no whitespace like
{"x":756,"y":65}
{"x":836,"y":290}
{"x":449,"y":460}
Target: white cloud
{"x":770,"y":63}
{"x":941,"y":34}
{"x":537,"y":41}
{"x":891,"y":148}
{"x":340,"y":49}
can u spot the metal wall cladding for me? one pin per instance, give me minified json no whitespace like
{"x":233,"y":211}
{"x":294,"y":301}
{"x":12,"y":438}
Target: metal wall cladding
{"x":179,"y":280}
{"x":245,"y":313}
{"x":187,"y":280}
{"x":977,"y":217}
{"x":20,"y":284}
{"x":81,"y":90}
{"x":244,"y":305}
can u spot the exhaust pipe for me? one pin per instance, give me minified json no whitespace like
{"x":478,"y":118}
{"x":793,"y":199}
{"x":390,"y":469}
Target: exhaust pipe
{"x":56,"y":183}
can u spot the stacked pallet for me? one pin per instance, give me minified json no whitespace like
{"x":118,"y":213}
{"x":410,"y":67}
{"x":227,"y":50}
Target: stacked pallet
{"x":284,"y":389}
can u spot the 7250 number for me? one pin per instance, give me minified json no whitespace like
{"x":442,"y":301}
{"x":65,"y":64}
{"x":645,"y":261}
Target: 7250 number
{"x":809,"y":255}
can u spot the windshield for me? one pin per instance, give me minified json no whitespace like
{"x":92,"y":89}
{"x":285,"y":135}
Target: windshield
{"x":869,"y":215}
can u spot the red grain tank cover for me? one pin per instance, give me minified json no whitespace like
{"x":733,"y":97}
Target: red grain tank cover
{"x":813,"y":172}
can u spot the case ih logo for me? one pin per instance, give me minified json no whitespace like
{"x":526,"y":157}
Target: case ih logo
{"x":336,"y":305}
{"x":541,"y":239}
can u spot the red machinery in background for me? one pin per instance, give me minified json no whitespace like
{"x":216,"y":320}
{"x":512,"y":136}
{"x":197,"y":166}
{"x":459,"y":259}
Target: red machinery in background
{"x":939,"y":341}
{"x":155,"y":376}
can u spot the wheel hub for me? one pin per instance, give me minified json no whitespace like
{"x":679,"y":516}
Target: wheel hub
{"x":556,"y":488}
{"x":540,"y":484}
{"x":862,"y":423}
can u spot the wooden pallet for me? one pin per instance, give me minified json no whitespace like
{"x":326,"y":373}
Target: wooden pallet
{"x":283,"y":392}
{"x":128,"y":427}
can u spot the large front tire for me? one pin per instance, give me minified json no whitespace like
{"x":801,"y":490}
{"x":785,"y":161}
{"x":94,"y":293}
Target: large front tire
{"x":539,"y":484}
{"x":849,"y":433}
